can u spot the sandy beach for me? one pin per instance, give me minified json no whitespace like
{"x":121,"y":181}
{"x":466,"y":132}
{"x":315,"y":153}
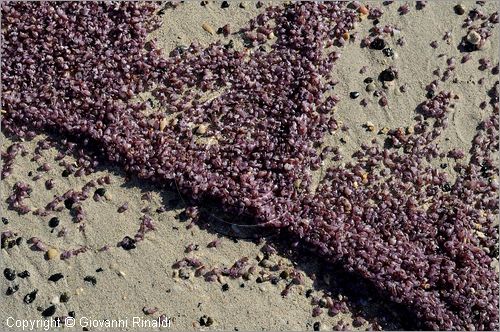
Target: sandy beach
{"x":106,"y":282}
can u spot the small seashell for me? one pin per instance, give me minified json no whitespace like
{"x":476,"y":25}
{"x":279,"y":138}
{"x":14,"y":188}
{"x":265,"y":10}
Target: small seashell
{"x":208,"y":28}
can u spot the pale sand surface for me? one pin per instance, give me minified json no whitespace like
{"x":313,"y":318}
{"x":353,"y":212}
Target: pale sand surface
{"x":144,"y":277}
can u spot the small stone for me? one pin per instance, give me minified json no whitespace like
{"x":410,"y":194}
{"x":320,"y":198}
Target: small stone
{"x":52,"y":253}
{"x":384,"y":130}
{"x":388,"y":52}
{"x":225,"y":4}
{"x":387,"y":75}
{"x":271,"y":35}
{"x":64,"y":297}
{"x":284,"y":274}
{"x":225,"y":287}
{"x":459,"y":9}
{"x":90,"y":279}
{"x":202,"y":129}
{"x":56,"y":277}
{"x":9,"y":274}
{"x":53,"y":222}
{"x":30,"y":297}
{"x":100,"y":191}
{"x":377,"y":44}
{"x":24,"y":274}
{"x":108,"y":196}
{"x":369,"y":126}
{"x":363,"y":10}
{"x":346,"y":36}
{"x":316,"y":326}
{"x":354,"y":94}
{"x":368,"y":80}
{"x":208,"y":28}
{"x":322,"y":302}
{"x":370,"y":87}
{"x":184,"y":274}
{"x":55,"y":300}
{"x":11,"y":290}
{"x":68,"y":203}
{"x":206,"y":320}
{"x":474,"y":38}
{"x":163,"y":124}
{"x":5,"y":221}
{"x":65,"y":173}
{"x":49,"y":311}
{"x":243,"y":5}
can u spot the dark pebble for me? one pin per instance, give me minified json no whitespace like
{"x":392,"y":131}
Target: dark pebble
{"x":388,"y":52}
{"x":430,"y":94}
{"x":354,"y":94}
{"x":72,"y":314}
{"x":377,"y":44}
{"x":316,"y":326}
{"x":309,"y":292}
{"x":49,"y":311}
{"x":206,"y":320}
{"x":446,"y":187}
{"x":259,"y":280}
{"x":5,"y":220}
{"x":56,"y":277}
{"x":54,"y":222}
{"x":65,"y":173}
{"x":225,"y":4}
{"x":30,"y":297}
{"x":376,"y":21}
{"x":459,"y":9}
{"x":368,"y":80}
{"x":90,"y":279}
{"x":12,"y":290}
{"x":24,"y":274}
{"x":128,"y":243}
{"x":64,"y":297}
{"x":99,"y":269}
{"x":68,"y":203}
{"x":443,"y":165}
{"x":9,"y":274}
{"x":225,"y":287}
{"x":387,"y":75}
{"x":100,"y":191}
{"x":19,"y":241}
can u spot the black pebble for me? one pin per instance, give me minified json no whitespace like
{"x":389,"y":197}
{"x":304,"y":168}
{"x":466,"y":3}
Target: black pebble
{"x":64,"y":298}
{"x":24,"y":274}
{"x":99,"y":269}
{"x":90,"y":279}
{"x":377,"y":44}
{"x":30,"y":297}
{"x":443,"y":165}
{"x":368,"y":80}
{"x":100,"y":191}
{"x":459,"y":9}
{"x":354,"y":94}
{"x":19,"y":240}
{"x":446,"y":187}
{"x":128,"y":243}
{"x":225,"y":4}
{"x":225,"y":287}
{"x":388,"y":52}
{"x":72,"y":314}
{"x":68,"y":203}
{"x":12,"y":290}
{"x":309,"y":292}
{"x":387,"y":75}
{"x":9,"y":274}
{"x":376,"y":21}
{"x":65,"y":173}
{"x":30,"y":173}
{"x":49,"y":311}
{"x":53,"y":222}
{"x":430,"y":94}
{"x":316,"y":326}
{"x":56,"y":277}
{"x":5,"y":220}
